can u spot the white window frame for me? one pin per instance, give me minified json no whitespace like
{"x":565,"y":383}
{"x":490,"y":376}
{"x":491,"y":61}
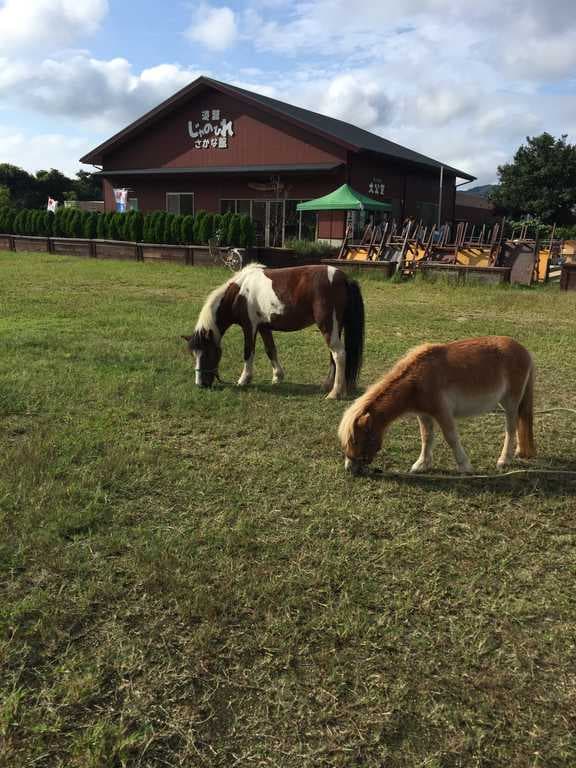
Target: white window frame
{"x":178,"y":195}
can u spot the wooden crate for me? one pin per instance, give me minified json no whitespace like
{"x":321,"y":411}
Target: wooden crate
{"x":461,"y":274}
{"x":568,"y":277}
{"x":385,"y":268}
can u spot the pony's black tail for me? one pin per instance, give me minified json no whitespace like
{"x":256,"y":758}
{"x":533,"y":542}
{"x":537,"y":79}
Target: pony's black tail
{"x":353,"y":333}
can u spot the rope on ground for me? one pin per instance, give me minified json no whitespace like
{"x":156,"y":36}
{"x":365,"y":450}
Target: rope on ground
{"x":463,"y":476}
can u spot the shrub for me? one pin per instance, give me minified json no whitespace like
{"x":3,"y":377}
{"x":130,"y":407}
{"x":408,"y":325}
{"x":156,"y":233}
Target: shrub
{"x":114,"y":227}
{"x":20,"y":223}
{"x":90,"y":225}
{"x":136,"y":227}
{"x":167,"y":229}
{"x":187,"y":229}
{"x":226,"y":228}
{"x":159,"y":227}
{"x":247,"y":232}
{"x":48,"y":223}
{"x":101,"y":228}
{"x":198,"y":219}
{"x":310,"y":248}
{"x":219,"y":228}
{"x":176,"y":229}
{"x":234,"y":231}
{"x":7,"y":216}
{"x":207,"y":228}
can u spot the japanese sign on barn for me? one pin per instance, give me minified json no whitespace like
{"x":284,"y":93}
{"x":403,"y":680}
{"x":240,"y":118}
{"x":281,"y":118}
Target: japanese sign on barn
{"x":376,"y":187}
{"x":212,"y":131}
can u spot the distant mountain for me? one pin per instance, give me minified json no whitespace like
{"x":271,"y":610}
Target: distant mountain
{"x":482,"y":191}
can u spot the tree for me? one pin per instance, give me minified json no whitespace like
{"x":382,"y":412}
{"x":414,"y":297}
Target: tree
{"x":540,"y":182}
{"x":88,"y":186}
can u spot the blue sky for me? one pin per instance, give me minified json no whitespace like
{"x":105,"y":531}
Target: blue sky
{"x":461,"y":81}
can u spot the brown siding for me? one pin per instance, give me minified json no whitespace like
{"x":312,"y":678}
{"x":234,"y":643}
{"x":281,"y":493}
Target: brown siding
{"x":209,"y":190}
{"x":259,"y":139}
{"x":408,"y":184}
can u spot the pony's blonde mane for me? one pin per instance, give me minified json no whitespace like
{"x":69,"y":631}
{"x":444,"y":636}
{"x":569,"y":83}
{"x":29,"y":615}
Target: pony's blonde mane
{"x":207,"y":317}
{"x":376,"y":391}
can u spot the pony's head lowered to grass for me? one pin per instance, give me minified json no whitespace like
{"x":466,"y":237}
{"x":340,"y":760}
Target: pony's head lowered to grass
{"x":204,"y":343}
{"x":359,"y":438}
{"x":207,"y":351}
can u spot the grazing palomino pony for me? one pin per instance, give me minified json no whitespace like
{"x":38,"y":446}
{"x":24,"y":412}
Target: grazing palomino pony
{"x":262,"y":300}
{"x":440,"y":383}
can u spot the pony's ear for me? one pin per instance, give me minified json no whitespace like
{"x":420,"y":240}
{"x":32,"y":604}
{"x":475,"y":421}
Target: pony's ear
{"x":365,"y":421}
{"x":186,"y":338}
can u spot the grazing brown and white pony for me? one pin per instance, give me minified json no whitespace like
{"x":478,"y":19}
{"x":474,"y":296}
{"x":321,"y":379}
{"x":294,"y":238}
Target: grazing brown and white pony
{"x":440,"y":383}
{"x":264,"y":300}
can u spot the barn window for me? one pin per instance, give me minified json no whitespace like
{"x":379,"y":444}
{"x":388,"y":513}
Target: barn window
{"x":180,"y":202}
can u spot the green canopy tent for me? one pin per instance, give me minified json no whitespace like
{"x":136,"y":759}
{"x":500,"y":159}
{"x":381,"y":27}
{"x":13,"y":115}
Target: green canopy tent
{"x":344,"y":199}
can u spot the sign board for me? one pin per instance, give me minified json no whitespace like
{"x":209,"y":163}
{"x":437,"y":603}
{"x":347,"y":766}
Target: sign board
{"x":377,"y":187}
{"x":212,"y":131}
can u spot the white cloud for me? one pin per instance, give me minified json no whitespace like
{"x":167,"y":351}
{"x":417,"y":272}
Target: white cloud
{"x":25,"y":24}
{"x":43,"y":151}
{"x":106,"y":93}
{"x":440,"y":105}
{"x":215,"y":28}
{"x":526,"y":38}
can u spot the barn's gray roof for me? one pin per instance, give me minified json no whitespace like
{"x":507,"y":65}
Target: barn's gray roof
{"x":354,"y":138}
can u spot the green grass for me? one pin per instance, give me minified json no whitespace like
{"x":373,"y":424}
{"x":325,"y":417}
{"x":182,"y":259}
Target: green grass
{"x":190,"y":579}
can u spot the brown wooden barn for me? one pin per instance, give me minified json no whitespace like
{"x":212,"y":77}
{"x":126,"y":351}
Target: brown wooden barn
{"x":216,"y":147}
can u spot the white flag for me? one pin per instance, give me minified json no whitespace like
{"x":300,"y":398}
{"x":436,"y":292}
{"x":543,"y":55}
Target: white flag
{"x":121,"y":198}
{"x":52,"y":205}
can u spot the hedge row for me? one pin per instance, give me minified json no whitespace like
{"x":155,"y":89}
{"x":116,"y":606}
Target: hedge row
{"x":230,"y":229}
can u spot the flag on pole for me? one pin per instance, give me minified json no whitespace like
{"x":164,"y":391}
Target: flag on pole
{"x":121,"y":198}
{"x":52,"y":205}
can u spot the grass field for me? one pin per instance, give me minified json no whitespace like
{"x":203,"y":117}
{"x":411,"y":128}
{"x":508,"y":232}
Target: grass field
{"x":190,"y":579}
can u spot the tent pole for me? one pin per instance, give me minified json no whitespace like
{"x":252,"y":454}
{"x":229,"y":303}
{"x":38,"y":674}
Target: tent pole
{"x":440,"y":195}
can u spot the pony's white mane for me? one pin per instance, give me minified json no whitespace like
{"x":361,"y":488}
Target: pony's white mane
{"x":207,"y":317}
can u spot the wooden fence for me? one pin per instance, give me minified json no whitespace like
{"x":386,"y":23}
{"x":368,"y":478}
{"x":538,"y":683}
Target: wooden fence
{"x":191,"y":255}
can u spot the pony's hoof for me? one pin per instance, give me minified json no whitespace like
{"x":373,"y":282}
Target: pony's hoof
{"x":333,"y":396}
{"x":244,"y":383}
{"x":466,"y":469}
{"x":419,"y":466}
{"x":502,"y":463}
